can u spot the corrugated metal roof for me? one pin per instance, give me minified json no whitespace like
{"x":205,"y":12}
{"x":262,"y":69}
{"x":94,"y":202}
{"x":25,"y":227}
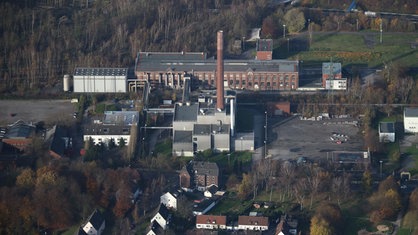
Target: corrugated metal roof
{"x":101,"y":72}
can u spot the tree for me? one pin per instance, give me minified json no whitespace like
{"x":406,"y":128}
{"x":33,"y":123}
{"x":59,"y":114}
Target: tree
{"x":320,"y":227}
{"x":327,"y":219}
{"x":294,"y":20}
{"x":245,"y":188}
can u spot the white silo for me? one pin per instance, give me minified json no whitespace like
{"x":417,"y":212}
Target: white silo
{"x":66,"y":83}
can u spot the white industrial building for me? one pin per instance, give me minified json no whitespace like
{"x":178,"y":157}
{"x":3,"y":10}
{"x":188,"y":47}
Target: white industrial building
{"x":410,"y":120}
{"x":100,"y":80}
{"x":115,"y":125}
{"x":336,"y":84}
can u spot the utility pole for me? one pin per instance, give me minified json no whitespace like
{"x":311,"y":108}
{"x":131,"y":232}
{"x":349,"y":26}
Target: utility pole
{"x":381,"y":30}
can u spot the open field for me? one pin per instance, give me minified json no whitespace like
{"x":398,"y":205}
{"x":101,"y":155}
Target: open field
{"x":353,"y":48}
{"x":48,"y":111}
{"x":303,"y":138}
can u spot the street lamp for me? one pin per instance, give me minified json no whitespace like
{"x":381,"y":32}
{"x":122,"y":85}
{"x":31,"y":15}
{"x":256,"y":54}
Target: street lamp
{"x":288,"y":44}
{"x":284,"y":31}
{"x":265,"y":136}
{"x":381,"y":168}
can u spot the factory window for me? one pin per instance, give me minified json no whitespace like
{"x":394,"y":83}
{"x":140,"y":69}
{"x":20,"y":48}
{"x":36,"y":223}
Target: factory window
{"x":274,"y":84}
{"x":250,"y":83}
{"x":243,"y":82}
{"x":281,"y":83}
{"x":262,"y":84}
{"x":281,"y":77}
{"x":268,"y":84}
{"x":231,"y":82}
{"x":286,"y":78}
{"x":274,"y":77}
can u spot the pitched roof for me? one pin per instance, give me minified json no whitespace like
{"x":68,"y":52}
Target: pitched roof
{"x":205,"y":168}
{"x":96,"y":219}
{"x":163,"y":211}
{"x":211,"y":219}
{"x":253,"y":220}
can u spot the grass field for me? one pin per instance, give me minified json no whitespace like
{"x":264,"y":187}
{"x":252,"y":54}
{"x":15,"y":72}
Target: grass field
{"x":356,"y":48}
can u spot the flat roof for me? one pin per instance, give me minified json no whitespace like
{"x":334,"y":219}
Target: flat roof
{"x":101,"y":72}
{"x":184,"y":112}
{"x":207,"y":129}
{"x":387,"y":127}
{"x":265,"y":45}
{"x":126,"y":118}
{"x":411,"y":112}
{"x":327,"y":67}
{"x":182,"y":63}
{"x":182,"y":137}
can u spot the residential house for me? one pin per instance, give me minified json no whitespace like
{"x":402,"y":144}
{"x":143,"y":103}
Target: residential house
{"x":387,"y":132}
{"x":211,"y":191}
{"x":205,"y":174}
{"x":169,"y":200}
{"x":162,"y":217}
{"x":60,"y":142}
{"x":95,"y":224}
{"x":287,"y":226}
{"x":19,"y":135}
{"x":204,"y":206}
{"x":155,"y":229}
{"x":211,"y":222}
{"x":199,"y":175}
{"x":410,"y":120}
{"x":259,"y":223}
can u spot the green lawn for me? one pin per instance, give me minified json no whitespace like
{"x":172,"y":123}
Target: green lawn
{"x":231,"y":206}
{"x":364,"y":48}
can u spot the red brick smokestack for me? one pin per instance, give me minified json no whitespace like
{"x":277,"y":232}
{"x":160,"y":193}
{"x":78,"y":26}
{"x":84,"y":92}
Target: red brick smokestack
{"x":220,"y":72}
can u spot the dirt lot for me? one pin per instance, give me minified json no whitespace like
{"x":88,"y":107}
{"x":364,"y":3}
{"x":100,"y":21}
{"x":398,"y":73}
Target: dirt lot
{"x":48,"y":111}
{"x":304,"y":138}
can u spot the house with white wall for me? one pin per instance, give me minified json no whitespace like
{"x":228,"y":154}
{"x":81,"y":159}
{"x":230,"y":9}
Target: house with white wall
{"x":162,"y":217}
{"x":211,"y":222}
{"x":258,"y":223}
{"x":410,"y":120}
{"x":169,"y":200}
{"x":95,"y":224}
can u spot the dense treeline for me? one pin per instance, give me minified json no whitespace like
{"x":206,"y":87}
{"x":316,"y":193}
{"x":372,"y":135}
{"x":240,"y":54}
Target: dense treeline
{"x":42,"y":40}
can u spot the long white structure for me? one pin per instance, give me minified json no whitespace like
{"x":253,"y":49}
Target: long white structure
{"x":100,"y":80}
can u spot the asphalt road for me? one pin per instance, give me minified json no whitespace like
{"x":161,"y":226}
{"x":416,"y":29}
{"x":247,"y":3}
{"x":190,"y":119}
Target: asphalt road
{"x":48,"y":111}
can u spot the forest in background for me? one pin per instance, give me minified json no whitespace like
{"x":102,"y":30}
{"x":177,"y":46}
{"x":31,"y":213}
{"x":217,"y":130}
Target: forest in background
{"x":42,"y":40}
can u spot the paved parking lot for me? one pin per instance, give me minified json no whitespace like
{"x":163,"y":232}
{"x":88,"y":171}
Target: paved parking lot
{"x":48,"y":111}
{"x":294,"y":138}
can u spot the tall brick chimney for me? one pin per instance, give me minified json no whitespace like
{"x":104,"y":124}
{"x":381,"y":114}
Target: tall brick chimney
{"x":220,"y":72}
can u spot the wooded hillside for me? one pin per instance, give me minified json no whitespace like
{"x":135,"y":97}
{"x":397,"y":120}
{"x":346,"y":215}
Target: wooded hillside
{"x":42,"y":40}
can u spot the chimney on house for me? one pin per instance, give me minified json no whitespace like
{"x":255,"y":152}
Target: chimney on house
{"x":220,"y":72}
